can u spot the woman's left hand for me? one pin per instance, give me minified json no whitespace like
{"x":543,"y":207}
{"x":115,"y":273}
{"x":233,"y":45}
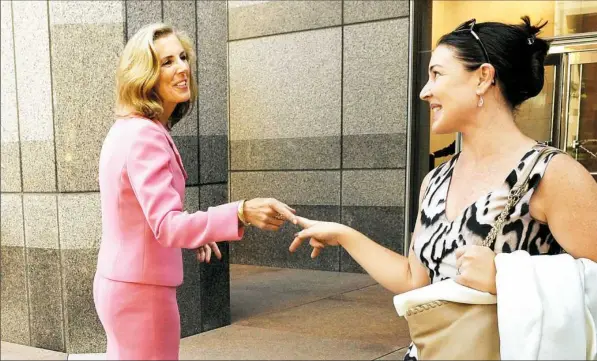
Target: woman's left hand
{"x":204,"y":252}
{"x":476,"y":268}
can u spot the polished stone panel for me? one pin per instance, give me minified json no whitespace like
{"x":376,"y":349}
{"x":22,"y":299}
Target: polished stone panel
{"x":140,"y":13}
{"x":189,"y":295}
{"x":286,"y":153}
{"x":212,"y":65}
{"x":83,"y":113}
{"x":87,"y":12}
{"x":188,"y":148}
{"x":213,"y":195}
{"x":181,"y":15}
{"x":41,"y":220}
{"x":80,"y":220}
{"x":375,"y":84}
{"x":213,"y":155}
{"x":367,"y":10}
{"x":45,"y":298}
{"x":384,"y":225}
{"x":374,"y":151}
{"x":14,"y":305}
{"x":15,"y":301}
{"x":84,"y":332}
{"x":215,"y":290}
{"x":281,"y":86}
{"x":44,"y":271}
{"x":212,"y":59}
{"x":320,"y":188}
{"x":258,"y":18}
{"x":12,"y":231}
{"x":215,"y":277}
{"x":34,"y":89}
{"x":39,"y":166}
{"x":271,"y":248}
{"x":383,"y":187}
{"x":204,"y":297}
{"x":11,"y":164}
{"x":191,"y":199}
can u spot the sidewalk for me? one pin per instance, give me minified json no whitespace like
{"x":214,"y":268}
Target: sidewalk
{"x":286,"y":314}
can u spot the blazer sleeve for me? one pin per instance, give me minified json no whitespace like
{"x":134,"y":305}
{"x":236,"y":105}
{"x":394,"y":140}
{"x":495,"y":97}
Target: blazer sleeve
{"x":150,"y":175}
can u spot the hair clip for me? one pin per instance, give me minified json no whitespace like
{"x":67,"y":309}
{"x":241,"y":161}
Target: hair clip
{"x":531,"y":39}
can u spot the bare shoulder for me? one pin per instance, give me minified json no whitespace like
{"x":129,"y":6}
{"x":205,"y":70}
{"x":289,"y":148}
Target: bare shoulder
{"x":568,"y":197}
{"x":566,"y":175}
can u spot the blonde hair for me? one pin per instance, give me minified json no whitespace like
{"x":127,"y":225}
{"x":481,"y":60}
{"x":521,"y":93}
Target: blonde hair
{"x":139,"y":70}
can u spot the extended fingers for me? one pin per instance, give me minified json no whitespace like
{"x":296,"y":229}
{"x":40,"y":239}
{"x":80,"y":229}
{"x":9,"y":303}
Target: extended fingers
{"x":315,"y":252}
{"x":282,"y":210}
{"x":317,"y":247}
{"x":299,"y":238}
{"x":216,"y":250}
{"x":303,"y":222}
{"x":207,"y":253}
{"x":200,"y":254}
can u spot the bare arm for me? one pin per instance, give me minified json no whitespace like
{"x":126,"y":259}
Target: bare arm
{"x":567,"y":200}
{"x":393,"y":271}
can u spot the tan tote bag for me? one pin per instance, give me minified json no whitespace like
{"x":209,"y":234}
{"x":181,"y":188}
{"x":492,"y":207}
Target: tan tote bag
{"x":444,"y":330}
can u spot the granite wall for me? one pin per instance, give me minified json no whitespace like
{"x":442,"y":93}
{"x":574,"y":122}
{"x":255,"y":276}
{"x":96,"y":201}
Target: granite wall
{"x":305,"y":101}
{"x":318,"y":112}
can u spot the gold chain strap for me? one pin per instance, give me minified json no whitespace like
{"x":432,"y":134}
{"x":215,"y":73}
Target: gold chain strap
{"x":513,"y":198}
{"x":515,"y":194}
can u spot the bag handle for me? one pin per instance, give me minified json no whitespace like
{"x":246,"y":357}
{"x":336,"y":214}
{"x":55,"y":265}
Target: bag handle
{"x":516,"y":193}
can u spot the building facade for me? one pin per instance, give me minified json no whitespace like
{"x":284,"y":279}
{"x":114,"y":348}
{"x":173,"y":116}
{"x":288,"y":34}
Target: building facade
{"x":311,"y":102}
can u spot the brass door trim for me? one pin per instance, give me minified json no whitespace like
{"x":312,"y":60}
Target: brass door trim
{"x":573,"y":43}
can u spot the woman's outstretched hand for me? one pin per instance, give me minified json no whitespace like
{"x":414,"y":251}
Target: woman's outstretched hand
{"x":267,"y":213}
{"x":320,"y":234}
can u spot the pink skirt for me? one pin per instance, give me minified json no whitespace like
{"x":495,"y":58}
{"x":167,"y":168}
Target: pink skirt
{"x":141,"y":321}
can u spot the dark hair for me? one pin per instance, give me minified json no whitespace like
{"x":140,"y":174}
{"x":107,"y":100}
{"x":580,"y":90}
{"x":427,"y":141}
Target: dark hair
{"x":514,"y":51}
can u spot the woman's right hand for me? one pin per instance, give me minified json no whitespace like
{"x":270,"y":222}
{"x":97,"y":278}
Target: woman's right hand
{"x":267,"y":213}
{"x":321,"y":234}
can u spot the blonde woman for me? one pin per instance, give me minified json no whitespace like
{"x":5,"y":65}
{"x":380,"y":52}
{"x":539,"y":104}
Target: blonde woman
{"x":142,"y":183}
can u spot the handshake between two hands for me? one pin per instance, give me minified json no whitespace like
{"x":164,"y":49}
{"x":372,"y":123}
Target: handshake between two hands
{"x":270,"y":214}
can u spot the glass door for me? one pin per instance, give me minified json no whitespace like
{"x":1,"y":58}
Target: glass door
{"x":564,"y":114}
{"x":579,"y":136}
{"x":537,"y":117}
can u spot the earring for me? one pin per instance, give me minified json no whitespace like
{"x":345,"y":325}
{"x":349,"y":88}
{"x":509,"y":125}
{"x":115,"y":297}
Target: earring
{"x":480,"y":102}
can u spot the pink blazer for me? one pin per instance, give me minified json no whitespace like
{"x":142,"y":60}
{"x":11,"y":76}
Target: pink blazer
{"x":142,"y":188}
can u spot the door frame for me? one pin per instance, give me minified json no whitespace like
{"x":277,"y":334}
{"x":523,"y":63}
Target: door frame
{"x":561,"y":55}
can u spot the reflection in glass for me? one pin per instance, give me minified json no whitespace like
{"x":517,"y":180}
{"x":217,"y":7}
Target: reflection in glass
{"x":582,"y":115}
{"x":534,"y":116}
{"x":574,"y":17}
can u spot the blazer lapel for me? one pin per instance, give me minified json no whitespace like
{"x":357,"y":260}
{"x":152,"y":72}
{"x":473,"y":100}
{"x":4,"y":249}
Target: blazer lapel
{"x":176,"y":154}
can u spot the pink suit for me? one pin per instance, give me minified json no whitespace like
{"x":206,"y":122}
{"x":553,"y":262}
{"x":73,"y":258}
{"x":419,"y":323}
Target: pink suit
{"x":144,"y":227}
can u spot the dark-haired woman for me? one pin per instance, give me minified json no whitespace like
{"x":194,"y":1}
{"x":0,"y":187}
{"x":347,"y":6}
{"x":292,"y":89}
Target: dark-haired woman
{"x":479,"y":74}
